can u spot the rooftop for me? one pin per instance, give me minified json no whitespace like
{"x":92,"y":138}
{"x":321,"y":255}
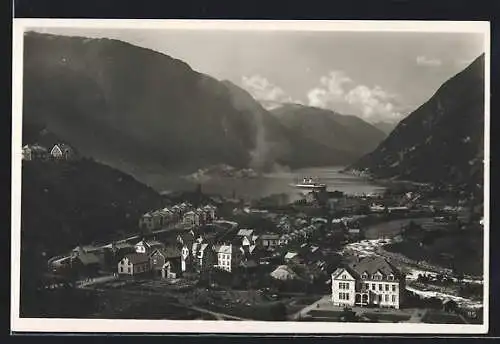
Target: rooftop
{"x":373,"y":265}
{"x":137,"y":258}
{"x":169,"y":252}
{"x":245,"y":232}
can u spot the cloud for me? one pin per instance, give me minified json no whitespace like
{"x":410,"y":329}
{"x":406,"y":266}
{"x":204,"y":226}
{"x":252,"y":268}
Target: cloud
{"x":268,"y":94}
{"x":374,"y":103}
{"x":428,"y":62}
{"x":337,"y":91}
{"x":330,"y":91}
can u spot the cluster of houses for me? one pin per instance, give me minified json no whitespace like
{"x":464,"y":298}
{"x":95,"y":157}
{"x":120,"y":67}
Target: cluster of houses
{"x":59,"y":151}
{"x":187,"y":254}
{"x":179,"y":213}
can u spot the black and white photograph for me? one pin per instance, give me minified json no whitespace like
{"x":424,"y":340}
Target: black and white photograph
{"x":250,"y":176}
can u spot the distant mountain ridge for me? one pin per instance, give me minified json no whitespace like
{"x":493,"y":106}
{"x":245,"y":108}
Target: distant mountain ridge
{"x":144,"y":112}
{"x":386,"y":127}
{"x":343,"y":132}
{"x":440,"y":142}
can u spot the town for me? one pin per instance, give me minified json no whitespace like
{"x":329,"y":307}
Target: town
{"x":326,"y":257}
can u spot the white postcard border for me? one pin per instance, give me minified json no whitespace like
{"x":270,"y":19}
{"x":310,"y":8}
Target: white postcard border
{"x":178,"y":326}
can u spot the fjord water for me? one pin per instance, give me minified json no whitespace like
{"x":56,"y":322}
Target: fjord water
{"x":278,"y":183}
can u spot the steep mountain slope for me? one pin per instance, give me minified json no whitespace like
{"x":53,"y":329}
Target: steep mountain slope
{"x":386,"y":127}
{"x":442,"y":141}
{"x":127,"y":105}
{"x":144,"y":112}
{"x":65,"y":203}
{"x":277,"y":143}
{"x":347,"y":133}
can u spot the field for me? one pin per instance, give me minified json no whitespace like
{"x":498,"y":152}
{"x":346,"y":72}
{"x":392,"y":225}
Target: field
{"x":325,"y":315}
{"x":386,"y":317}
{"x":437,"y":317}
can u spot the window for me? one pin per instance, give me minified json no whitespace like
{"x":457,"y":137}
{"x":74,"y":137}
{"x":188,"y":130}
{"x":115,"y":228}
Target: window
{"x":393,"y":298}
{"x":367,"y":285}
{"x":390,"y":277}
{"x":386,"y":298}
{"x":373,"y":286}
{"x":128,"y":269}
{"x":344,"y":276}
{"x":380,"y":287}
{"x":364,"y":275}
{"x":121,"y":268}
{"x":343,"y":296}
{"x":393,"y":287}
{"x":386,"y":287}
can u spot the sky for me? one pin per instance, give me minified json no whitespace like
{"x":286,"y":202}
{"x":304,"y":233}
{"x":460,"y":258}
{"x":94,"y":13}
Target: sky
{"x":378,"y":76}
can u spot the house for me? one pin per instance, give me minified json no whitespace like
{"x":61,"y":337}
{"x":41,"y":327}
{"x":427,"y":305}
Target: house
{"x":228,"y":256}
{"x":354,"y":233}
{"x":134,"y":264}
{"x":284,"y":273}
{"x":377,"y":208}
{"x":186,"y":239}
{"x":204,"y":257}
{"x":147,"y":247}
{"x":369,"y":281}
{"x":191,"y":219}
{"x":269,"y":240}
{"x":167,"y":262}
{"x":114,"y":251}
{"x":34,"y":152}
{"x":210,"y":210}
{"x":151,"y":221}
{"x":86,"y":263}
{"x":244,"y":232}
{"x":292,"y":256}
{"x":284,"y":240}
{"x":320,"y":220}
{"x":62,"y":151}
{"x":311,"y":254}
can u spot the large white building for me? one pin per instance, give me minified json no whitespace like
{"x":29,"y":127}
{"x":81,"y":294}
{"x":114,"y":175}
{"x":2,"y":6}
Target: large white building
{"x":369,"y":281}
{"x":228,"y":256}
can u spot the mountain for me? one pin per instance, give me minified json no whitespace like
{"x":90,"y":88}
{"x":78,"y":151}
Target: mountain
{"x":386,"y":127}
{"x":129,"y":106}
{"x":77,"y":201}
{"x":276,"y":142}
{"x":440,"y":142}
{"x":349,"y":134}
{"x":147,"y":113}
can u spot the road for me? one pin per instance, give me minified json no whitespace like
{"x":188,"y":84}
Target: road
{"x":307,"y":309}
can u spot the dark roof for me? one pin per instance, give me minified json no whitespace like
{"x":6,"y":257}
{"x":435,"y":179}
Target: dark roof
{"x":88,"y":258}
{"x":371,"y":265}
{"x":187,"y":238}
{"x":169,"y":252}
{"x":137,"y":258}
{"x":271,"y":236}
